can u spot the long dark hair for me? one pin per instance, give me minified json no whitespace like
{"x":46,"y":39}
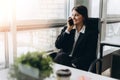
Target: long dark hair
{"x":83,"y":11}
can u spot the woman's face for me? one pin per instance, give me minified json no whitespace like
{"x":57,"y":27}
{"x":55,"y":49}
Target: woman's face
{"x":77,"y":18}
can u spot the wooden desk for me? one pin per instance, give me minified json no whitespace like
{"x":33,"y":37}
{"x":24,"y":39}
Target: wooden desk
{"x":77,"y":74}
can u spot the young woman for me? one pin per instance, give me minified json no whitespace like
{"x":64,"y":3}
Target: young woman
{"x":76,"y":42}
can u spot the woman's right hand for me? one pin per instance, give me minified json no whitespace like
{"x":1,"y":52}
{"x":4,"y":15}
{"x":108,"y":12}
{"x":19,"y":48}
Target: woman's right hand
{"x":69,"y":26}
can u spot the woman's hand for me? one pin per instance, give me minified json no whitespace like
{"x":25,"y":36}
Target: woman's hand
{"x":70,"y":24}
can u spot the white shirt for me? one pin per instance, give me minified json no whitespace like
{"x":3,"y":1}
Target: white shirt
{"x":77,"y":34}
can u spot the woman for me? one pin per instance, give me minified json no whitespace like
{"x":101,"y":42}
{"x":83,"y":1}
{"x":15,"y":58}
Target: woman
{"x":76,"y":42}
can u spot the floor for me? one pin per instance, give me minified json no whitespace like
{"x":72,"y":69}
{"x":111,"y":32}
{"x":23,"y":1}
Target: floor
{"x":106,"y":73}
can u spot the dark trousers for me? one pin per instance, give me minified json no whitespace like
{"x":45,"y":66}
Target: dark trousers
{"x":63,"y":58}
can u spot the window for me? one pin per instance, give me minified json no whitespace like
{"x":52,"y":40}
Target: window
{"x":41,"y":9}
{"x":2,"y":49}
{"x":38,"y":14}
{"x":111,"y":22}
{"x":113,"y":19}
{"x":41,"y":13}
{"x":32,"y":12}
{"x":4,"y":13}
{"x":113,"y":7}
{"x":112,"y":30}
{"x":27,"y":24}
{"x":94,"y":9}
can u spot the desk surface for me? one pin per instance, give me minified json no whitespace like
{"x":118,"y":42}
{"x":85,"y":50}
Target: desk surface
{"x":77,"y":74}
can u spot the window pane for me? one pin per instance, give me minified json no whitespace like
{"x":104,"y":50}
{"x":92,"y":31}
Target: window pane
{"x":41,"y":9}
{"x":94,"y":11}
{"x":2,"y":50}
{"x":4,"y":12}
{"x":40,"y":40}
{"x":112,"y":35}
{"x":113,"y":7}
{"x":112,"y":30}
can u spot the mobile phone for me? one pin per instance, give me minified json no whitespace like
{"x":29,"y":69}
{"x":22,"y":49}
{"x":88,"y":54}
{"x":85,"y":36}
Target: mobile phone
{"x":70,"y":21}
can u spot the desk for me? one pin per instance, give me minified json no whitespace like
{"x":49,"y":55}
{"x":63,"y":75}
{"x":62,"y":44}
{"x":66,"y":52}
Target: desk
{"x":76,"y":74}
{"x":111,"y":42}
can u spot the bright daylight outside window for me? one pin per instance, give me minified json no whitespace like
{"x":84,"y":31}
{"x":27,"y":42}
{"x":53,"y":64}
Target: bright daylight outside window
{"x":34,"y":13}
{"x":112,"y":31}
{"x":113,"y":13}
{"x":4,"y":22}
{"x":41,"y":9}
{"x":30,"y":14}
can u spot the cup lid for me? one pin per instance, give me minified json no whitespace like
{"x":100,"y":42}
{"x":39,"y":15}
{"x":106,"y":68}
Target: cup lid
{"x":63,"y":72}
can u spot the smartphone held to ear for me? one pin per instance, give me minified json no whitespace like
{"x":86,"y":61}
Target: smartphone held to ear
{"x":70,"y":21}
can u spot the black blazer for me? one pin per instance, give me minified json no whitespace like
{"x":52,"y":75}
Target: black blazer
{"x":85,"y":49}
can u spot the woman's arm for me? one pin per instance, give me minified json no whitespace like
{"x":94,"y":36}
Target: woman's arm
{"x":62,"y":39}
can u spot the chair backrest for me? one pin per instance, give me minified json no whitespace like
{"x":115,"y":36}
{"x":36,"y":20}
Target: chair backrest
{"x":95,"y":25}
{"x":106,"y":60}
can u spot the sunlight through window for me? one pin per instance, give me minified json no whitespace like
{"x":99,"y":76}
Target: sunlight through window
{"x":41,"y":9}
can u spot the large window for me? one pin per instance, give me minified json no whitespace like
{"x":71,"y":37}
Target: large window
{"x":41,"y":9}
{"x":2,"y":49}
{"x":111,"y":22}
{"x":4,"y":13}
{"x":24,"y":12}
{"x":112,"y":30}
{"x":25,"y":25}
{"x":113,"y":19}
{"x":37,"y":40}
{"x":94,"y":9}
{"x":113,"y":7}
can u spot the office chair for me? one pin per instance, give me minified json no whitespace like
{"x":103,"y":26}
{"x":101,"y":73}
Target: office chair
{"x":114,"y":66}
{"x":95,"y":24}
{"x":95,"y":66}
